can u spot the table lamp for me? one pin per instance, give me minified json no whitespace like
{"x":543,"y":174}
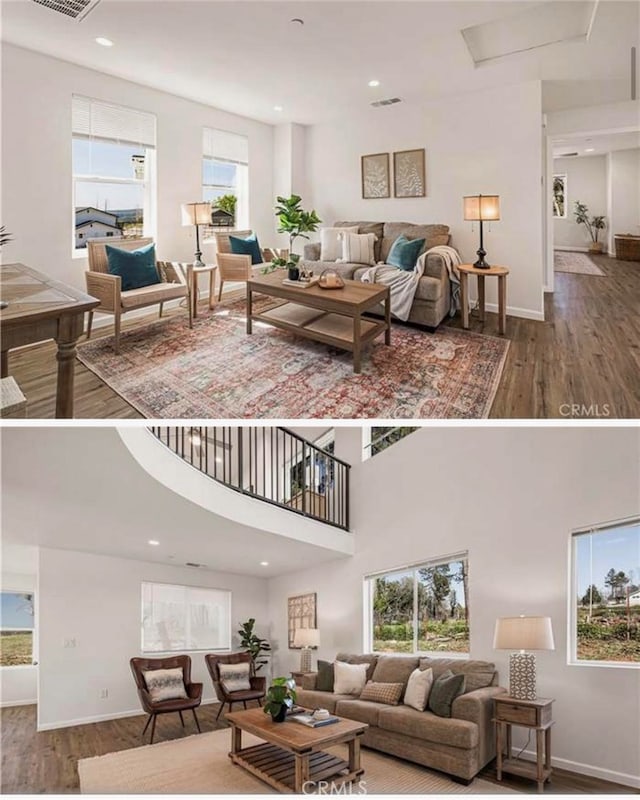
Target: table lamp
{"x":306,"y":638}
{"x":523,"y":633}
{"x":196,"y":214}
{"x":481,"y":208}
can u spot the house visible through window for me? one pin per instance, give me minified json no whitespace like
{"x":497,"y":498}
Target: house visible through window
{"x":16,"y":629}
{"x":225,"y":178}
{"x":423,"y":608}
{"x":379,"y":438}
{"x":114,"y":171}
{"x":605,"y":608}
{"x":179,"y":618}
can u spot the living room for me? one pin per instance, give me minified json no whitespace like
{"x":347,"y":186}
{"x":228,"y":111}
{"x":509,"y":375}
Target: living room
{"x":514,"y":520}
{"x":484,"y":126}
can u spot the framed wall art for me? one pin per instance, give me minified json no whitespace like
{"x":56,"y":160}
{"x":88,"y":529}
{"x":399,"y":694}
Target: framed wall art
{"x":560,"y":196}
{"x":301,"y":614}
{"x":409,"y":173}
{"x":376,"y":178}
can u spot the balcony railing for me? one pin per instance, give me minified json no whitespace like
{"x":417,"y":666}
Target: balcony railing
{"x":271,"y":464}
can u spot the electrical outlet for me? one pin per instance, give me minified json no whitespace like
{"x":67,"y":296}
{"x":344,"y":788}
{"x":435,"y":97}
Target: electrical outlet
{"x":69,"y":642}
{"x":104,"y":693}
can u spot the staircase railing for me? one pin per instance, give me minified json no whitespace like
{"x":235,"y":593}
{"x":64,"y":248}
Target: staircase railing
{"x":272,"y":464}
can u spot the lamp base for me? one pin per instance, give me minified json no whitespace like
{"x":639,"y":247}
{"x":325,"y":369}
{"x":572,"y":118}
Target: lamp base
{"x":305,"y":659}
{"x":522,"y":676}
{"x":481,"y":263}
{"x":198,"y":262}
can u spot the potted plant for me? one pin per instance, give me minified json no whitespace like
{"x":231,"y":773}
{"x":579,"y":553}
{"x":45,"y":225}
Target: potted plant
{"x":280,"y":696}
{"x":5,"y":237}
{"x":593,"y":225}
{"x":253,"y":644}
{"x":297,"y":223}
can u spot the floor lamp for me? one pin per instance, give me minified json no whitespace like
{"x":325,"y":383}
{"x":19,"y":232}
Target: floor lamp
{"x":196,"y":214}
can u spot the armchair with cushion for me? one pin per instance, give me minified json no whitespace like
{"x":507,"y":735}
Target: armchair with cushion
{"x":193,"y":690}
{"x":236,"y":267}
{"x":258,"y":684}
{"x":173,"y":284}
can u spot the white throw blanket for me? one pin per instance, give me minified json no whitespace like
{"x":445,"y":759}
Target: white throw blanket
{"x":403,"y":284}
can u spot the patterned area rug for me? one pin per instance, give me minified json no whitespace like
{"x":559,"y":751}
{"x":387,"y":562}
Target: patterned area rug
{"x":200,"y":765}
{"x":579,"y":263}
{"x":216,"y":371}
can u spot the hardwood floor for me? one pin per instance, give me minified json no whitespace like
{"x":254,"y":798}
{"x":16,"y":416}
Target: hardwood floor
{"x":586,"y":355}
{"x":46,"y":762}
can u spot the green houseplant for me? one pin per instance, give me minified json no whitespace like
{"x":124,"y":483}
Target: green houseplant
{"x":253,"y":644}
{"x":296,"y":223}
{"x":281,"y":695}
{"x":228,"y":203}
{"x":5,"y":237}
{"x":594,"y":225}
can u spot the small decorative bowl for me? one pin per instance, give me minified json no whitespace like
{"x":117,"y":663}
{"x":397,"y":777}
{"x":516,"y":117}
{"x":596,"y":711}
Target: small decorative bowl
{"x":330,"y":279}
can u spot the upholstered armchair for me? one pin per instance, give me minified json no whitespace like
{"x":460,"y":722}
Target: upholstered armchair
{"x":258,"y":685}
{"x":194,"y":690}
{"x":234,"y":267}
{"x":174,"y":284}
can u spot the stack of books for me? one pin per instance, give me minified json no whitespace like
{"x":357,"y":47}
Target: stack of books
{"x":310,"y":721}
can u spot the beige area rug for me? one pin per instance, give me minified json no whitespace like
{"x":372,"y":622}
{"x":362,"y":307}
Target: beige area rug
{"x":578,"y":263}
{"x":200,"y":765}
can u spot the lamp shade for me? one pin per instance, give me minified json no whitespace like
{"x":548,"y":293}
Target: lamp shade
{"x":196,"y":213}
{"x":484,"y":207}
{"x":523,"y":633}
{"x":306,"y":637}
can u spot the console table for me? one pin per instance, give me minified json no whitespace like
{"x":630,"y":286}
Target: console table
{"x":39,"y":308}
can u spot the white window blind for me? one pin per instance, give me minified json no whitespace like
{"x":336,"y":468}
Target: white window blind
{"x":179,"y":618}
{"x":96,"y":119}
{"x":225,"y":146}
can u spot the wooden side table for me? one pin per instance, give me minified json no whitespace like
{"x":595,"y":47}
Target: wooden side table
{"x":195,"y":273}
{"x":501,"y":273}
{"x":532,"y":714}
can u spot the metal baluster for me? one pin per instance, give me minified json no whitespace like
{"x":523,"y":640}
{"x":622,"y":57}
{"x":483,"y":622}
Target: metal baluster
{"x":241,"y":459}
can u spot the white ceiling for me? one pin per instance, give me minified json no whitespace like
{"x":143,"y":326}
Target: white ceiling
{"x":597,"y":144}
{"x":81,"y":489}
{"x":247,"y":57}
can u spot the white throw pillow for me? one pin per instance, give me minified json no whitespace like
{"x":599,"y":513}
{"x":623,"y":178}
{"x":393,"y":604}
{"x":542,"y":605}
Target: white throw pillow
{"x":358,"y":248}
{"x":165,"y":684}
{"x":418,"y":689}
{"x":235,"y":677}
{"x":330,"y":243}
{"x":349,"y":678}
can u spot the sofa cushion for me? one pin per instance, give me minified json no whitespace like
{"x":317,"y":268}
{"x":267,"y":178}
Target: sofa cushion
{"x":387,"y":693}
{"x":156,"y":293}
{"x":136,"y":268}
{"x":433,"y":235}
{"x":418,"y":689}
{"x":349,"y":678}
{"x":165,"y":684}
{"x":325,"y":677}
{"x":248,"y":246}
{"x":235,"y":677}
{"x":368,"y":658}
{"x":359,"y":710}
{"x":428,"y":727}
{"x":376,"y":228}
{"x":394,"y":669}
{"x":478,"y":674}
{"x":310,"y":698}
{"x":345,"y":270}
{"x":331,"y":244}
{"x":444,"y":691}
{"x":429,"y":289}
{"x":404,"y":253}
{"x":358,"y":248}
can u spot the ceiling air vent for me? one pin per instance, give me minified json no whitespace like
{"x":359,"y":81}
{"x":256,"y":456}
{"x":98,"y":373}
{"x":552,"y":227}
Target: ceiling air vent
{"x":567,"y":155}
{"x":77,"y":9}
{"x":193,"y":564}
{"x":390,"y":102}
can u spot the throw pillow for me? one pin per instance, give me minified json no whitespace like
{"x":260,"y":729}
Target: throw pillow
{"x":444,"y":691}
{"x":387,"y":693}
{"x":137,"y":268}
{"x":330,"y":243}
{"x":418,"y":689}
{"x":349,"y":678}
{"x":325,"y":677}
{"x":165,"y":684}
{"x":246,"y":247}
{"x":357,"y":248}
{"x":404,"y":253}
{"x":234,"y":677}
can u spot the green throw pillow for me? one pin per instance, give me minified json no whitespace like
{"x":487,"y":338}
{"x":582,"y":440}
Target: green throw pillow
{"x":444,"y":691}
{"x":325,"y":677}
{"x":246,"y":247}
{"x":137,"y":268}
{"x":404,"y":253}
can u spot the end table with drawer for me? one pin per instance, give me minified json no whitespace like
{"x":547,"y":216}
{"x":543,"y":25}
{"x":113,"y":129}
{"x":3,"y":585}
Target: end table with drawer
{"x":532,"y":714}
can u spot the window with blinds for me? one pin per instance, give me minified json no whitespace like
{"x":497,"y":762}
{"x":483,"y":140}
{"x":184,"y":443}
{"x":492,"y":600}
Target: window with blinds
{"x":225,"y":178}
{"x":114,"y":168}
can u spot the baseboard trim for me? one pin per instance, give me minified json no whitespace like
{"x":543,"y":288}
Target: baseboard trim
{"x":12,"y":703}
{"x":523,"y":313}
{"x":567,"y":249}
{"x":593,"y":772}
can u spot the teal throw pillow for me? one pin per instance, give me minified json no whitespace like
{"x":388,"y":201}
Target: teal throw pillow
{"x":246,"y":247}
{"x":137,"y":268}
{"x":404,"y":253}
{"x":444,"y":691}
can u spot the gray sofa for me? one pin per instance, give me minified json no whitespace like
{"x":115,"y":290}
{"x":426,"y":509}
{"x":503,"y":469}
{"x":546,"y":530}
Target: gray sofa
{"x":460,"y":746}
{"x":433,"y":296}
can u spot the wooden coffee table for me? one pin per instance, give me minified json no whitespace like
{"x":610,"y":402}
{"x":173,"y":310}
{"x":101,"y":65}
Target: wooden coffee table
{"x":331,"y":316}
{"x":292,"y":755}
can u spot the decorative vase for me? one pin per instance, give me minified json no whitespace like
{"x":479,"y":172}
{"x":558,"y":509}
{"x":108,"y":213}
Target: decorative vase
{"x":280,"y":716}
{"x":294,"y":273}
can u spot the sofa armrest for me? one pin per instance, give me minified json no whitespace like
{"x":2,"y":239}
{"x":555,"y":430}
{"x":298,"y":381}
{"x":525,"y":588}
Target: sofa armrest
{"x":436,"y":267}
{"x":194,"y":691}
{"x":312,"y":251}
{"x":477,"y":706}
{"x":309,"y":680}
{"x":106,"y":288}
{"x":259,"y":683}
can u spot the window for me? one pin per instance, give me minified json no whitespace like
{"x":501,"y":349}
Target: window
{"x":605,"y":605}
{"x":378,"y":439}
{"x":179,"y":618}
{"x":114,"y":167}
{"x":560,"y":196}
{"x":225,"y":178}
{"x":423,"y":608}
{"x":16,"y":629}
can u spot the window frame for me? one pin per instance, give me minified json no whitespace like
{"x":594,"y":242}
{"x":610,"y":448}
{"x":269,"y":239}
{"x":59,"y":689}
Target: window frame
{"x":572,"y":595}
{"x":209,"y":231}
{"x":34,"y":639}
{"x":368,"y":443}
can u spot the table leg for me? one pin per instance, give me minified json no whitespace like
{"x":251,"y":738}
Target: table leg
{"x":357,"y":345}
{"x":540,"y":759}
{"x":387,"y":317}
{"x":499,"y":748}
{"x":481,"y":296}
{"x":302,"y":772}
{"x":547,"y":749}
{"x":464,"y":299}
{"x":236,"y":739}
{"x":508,"y":741}
{"x":354,"y":755}
{"x":502,"y":303}
{"x":212,"y":286}
{"x":194,"y":294}
{"x":4,"y":364}
{"x":69,"y":330}
{"x":249,"y":309}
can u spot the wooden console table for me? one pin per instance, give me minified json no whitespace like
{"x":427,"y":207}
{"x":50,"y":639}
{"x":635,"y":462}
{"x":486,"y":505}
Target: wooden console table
{"x":532,"y":714}
{"x":40,"y":308}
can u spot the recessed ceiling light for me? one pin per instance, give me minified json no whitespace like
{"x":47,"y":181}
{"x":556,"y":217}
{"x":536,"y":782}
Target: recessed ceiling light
{"x":590,"y":150}
{"x":264,"y":563}
{"x":104,"y":42}
{"x":153,"y":542}
{"x":278,"y":108}
{"x":297,"y":21}
{"x":373,"y":84}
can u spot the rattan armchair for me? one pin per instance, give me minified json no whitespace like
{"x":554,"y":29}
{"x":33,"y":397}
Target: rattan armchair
{"x":234,"y":267}
{"x":258,"y":684}
{"x":174,"y":284}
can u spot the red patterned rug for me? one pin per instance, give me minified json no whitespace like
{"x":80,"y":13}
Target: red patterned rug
{"x":216,"y":371}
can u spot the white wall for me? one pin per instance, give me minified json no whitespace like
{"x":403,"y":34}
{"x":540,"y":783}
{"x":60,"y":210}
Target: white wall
{"x":37,"y":171}
{"x":510,"y":496}
{"x":624,"y":193}
{"x":96,"y":601}
{"x":586,"y":182}
{"x":486,"y":142}
{"x":19,"y":685}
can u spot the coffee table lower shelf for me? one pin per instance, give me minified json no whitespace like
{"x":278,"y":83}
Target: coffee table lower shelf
{"x":284,"y":771}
